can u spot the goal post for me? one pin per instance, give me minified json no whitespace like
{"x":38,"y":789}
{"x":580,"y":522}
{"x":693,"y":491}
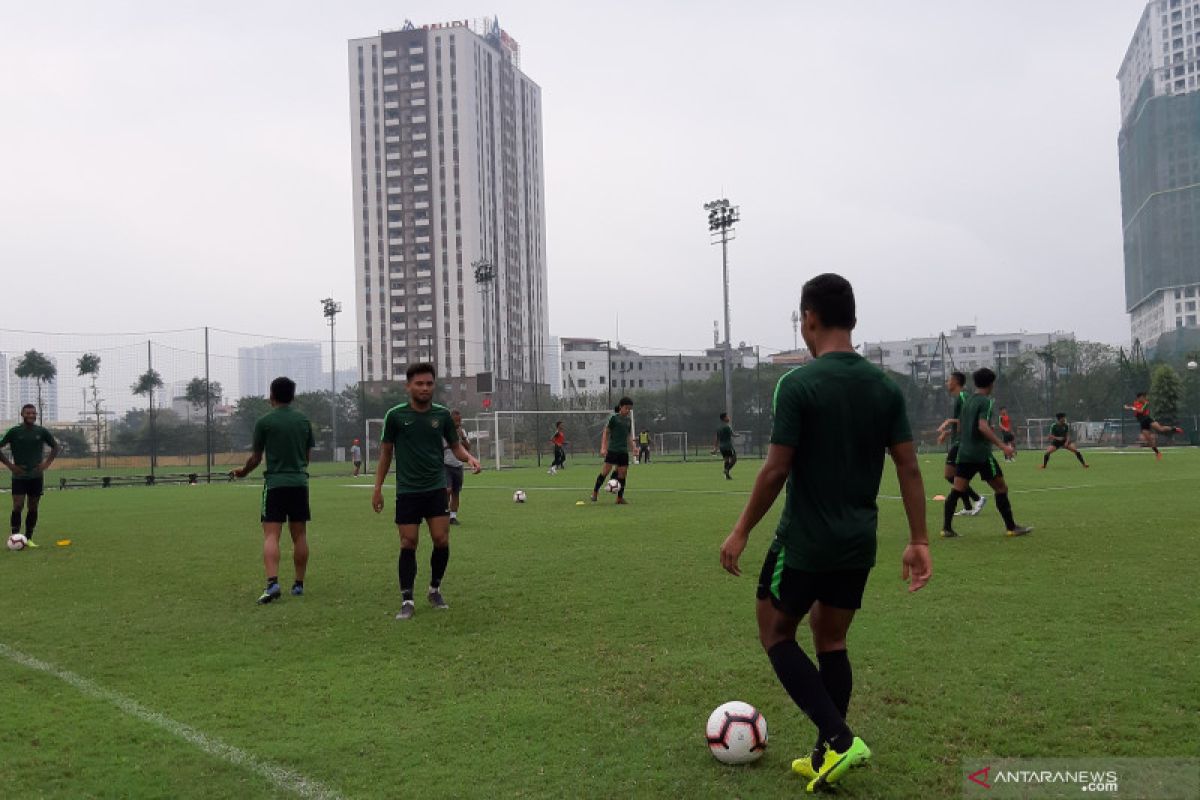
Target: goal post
{"x":510,"y":439}
{"x":671,"y":444}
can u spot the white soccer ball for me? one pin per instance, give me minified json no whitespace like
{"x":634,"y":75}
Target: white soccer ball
{"x":17,"y":542}
{"x":737,"y":733}
{"x":518,"y":496}
{"x":613,"y":486}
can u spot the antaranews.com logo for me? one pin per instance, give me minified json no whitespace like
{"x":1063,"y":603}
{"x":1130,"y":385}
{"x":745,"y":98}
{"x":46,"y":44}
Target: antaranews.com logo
{"x":1035,"y":778}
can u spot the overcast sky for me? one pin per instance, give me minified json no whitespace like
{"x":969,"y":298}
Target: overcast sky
{"x":164,"y":165}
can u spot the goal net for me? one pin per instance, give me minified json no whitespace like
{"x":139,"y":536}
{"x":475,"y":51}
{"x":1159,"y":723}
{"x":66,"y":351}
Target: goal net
{"x":671,"y":445}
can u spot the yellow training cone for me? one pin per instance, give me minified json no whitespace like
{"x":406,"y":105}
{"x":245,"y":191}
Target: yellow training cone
{"x":63,"y":543}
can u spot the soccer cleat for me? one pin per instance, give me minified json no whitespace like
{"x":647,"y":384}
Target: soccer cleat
{"x":436,"y":600}
{"x":963,"y":512}
{"x":949,"y":533}
{"x":272,"y":592}
{"x":297,"y":589}
{"x":30,"y":543}
{"x":979,"y":506}
{"x":407,"y":608}
{"x":1020,"y":530}
{"x":594,"y":498}
{"x":1179,"y":430}
{"x":804,"y":768}
{"x":454,"y":521}
{"x":1158,"y":455}
{"x":836,"y":765}
{"x":621,"y":501}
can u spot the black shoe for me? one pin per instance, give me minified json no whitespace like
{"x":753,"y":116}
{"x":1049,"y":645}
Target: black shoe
{"x":454,"y":520}
{"x":949,"y":533}
{"x":272,"y":592}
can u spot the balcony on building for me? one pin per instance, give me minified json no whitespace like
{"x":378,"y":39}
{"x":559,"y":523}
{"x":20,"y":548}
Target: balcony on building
{"x":419,"y":119}
{"x":390,"y":71}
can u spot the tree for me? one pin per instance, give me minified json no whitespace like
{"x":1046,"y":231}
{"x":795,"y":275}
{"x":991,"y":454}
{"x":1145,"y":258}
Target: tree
{"x":199,"y":395}
{"x":146,"y":384}
{"x":89,"y":364}
{"x":73,"y":442}
{"x":37,"y":366}
{"x":246,"y":413}
{"x":1166,"y":392}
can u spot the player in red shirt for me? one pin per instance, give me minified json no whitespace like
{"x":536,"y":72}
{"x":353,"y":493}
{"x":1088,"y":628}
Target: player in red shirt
{"x":1150,"y":426}
{"x":560,"y":454}
{"x":1006,"y":432}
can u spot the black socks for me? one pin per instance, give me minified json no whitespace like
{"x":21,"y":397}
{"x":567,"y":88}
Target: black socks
{"x":437,"y":565}
{"x":408,"y":571}
{"x":948,"y":509}
{"x":1005,"y":509}
{"x":804,"y":685}
{"x":621,"y":491}
{"x":30,"y":522}
{"x":14,"y":521}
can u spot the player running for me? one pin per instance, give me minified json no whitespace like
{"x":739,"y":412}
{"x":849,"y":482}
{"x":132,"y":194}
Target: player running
{"x":27,"y":442}
{"x":615,"y":444}
{"x":1149,"y":425}
{"x":454,"y":468}
{"x":417,"y":431}
{"x":723,"y":441}
{"x":834,"y":419}
{"x":286,"y":437}
{"x":972,"y":502}
{"x":1060,"y":438}
{"x":975,"y":455}
{"x":1006,"y":433}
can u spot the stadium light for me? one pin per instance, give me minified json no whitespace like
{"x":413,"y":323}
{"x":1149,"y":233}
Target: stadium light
{"x":722,"y":216}
{"x":485,"y":273}
{"x":331,"y":309}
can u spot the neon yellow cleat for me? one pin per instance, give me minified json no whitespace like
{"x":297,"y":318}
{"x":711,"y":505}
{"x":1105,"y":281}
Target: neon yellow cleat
{"x":836,"y":764}
{"x":804,"y":768}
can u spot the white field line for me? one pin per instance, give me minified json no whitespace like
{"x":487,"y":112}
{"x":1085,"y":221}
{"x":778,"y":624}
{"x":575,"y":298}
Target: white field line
{"x":282,"y":778}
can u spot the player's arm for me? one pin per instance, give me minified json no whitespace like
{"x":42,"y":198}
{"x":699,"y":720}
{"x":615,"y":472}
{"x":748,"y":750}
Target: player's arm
{"x":251,"y":463}
{"x":464,"y":441}
{"x":917,"y":565}
{"x":16,"y":470}
{"x":463,"y":454}
{"x":381,"y":471}
{"x":767,"y":486}
{"x":55,"y":449}
{"x":985,"y":429}
{"x":604,"y":443}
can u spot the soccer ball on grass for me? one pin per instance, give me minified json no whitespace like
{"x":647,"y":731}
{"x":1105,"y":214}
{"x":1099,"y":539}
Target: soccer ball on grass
{"x":518,"y":496}
{"x":613,"y":486}
{"x":737,"y":733}
{"x":17,"y":542}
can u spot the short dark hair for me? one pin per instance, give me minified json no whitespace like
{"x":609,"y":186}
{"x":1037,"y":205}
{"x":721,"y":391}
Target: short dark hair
{"x":283,"y":390}
{"x":983,"y":377}
{"x":1060,"y":415}
{"x":557,"y":423}
{"x":831,"y":298}
{"x":724,"y":416}
{"x":421,"y":368}
{"x":960,"y":377}
{"x":1141,"y":394}
{"x":28,"y":405}
{"x":624,"y":401}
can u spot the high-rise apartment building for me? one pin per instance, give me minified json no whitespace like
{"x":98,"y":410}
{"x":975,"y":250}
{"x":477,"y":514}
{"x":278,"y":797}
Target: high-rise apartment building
{"x":449,"y":207}
{"x":300,"y":361}
{"x":1159,"y":146}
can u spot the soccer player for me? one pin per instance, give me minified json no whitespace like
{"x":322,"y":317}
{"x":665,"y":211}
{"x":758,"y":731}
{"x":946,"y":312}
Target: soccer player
{"x":834,"y":418}
{"x":1060,"y":437}
{"x":975,"y":455}
{"x":972,"y":502}
{"x":356,"y":457}
{"x":454,"y":467}
{"x":1006,"y":432}
{"x":723,"y":441}
{"x":1149,"y":425}
{"x":644,"y":446}
{"x":28,"y":442}
{"x":417,"y":431}
{"x":560,"y":453}
{"x":615,"y":444}
{"x":286,"y":436}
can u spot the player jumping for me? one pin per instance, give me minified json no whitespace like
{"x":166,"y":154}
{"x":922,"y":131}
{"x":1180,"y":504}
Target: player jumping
{"x":1150,"y":426}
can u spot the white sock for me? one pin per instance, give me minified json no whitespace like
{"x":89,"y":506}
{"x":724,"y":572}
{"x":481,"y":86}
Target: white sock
{"x":453,"y":515}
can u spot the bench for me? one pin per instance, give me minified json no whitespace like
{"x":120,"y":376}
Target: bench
{"x":106,"y":481}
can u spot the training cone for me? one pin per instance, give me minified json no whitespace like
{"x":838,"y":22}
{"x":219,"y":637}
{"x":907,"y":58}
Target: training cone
{"x":580,"y":503}
{"x":63,"y":543}
{"x":939,"y":498}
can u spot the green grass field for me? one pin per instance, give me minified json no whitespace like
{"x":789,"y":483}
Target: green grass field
{"x":585,"y":645}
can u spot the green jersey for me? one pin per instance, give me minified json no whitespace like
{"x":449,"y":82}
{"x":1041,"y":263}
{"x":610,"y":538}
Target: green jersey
{"x":419,"y":438}
{"x":956,"y":435}
{"x":839,"y":413}
{"x":1059,"y":430}
{"x":725,"y":437}
{"x":26,"y":443}
{"x":619,"y":428}
{"x":286,"y":436}
{"x":974,"y":448}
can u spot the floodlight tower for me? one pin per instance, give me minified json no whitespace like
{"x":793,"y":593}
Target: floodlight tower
{"x":795,"y":330}
{"x":721,"y":218}
{"x":331,"y":309}
{"x":485,"y":274}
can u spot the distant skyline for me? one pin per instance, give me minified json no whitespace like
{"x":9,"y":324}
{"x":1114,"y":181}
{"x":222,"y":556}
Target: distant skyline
{"x":186,"y":164}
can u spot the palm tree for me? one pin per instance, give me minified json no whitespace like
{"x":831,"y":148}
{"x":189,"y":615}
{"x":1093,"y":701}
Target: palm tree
{"x":37,"y":366}
{"x":89,"y":364}
{"x":146,"y":384}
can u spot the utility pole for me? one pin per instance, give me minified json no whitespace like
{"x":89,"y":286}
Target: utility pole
{"x":795,"y":330}
{"x":331,"y":309}
{"x":721,"y":218}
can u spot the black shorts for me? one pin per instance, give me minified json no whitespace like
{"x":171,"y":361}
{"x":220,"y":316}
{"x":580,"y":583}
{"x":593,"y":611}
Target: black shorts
{"x":988,"y":470}
{"x":357,"y":464}
{"x":1145,"y":422}
{"x":1055,"y":443}
{"x":952,"y":455}
{"x":728,"y":453}
{"x":454,"y":476}
{"x":793,"y":591}
{"x":1007,"y":437}
{"x":413,"y":507}
{"x":285,"y":504}
{"x":29,"y":487}
{"x":617,"y":459}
